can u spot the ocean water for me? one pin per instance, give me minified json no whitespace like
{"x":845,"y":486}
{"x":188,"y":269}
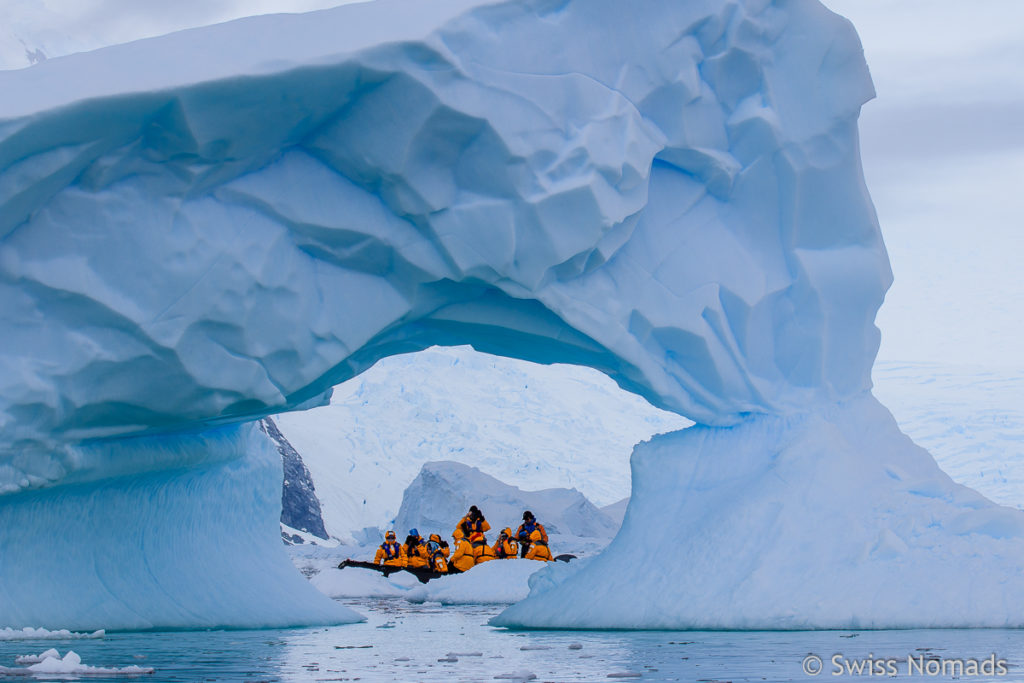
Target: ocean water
{"x":405,"y":642}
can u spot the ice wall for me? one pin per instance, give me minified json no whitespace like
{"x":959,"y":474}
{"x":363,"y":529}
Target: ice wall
{"x":177,"y":531}
{"x":223,"y":223}
{"x":833,"y":519}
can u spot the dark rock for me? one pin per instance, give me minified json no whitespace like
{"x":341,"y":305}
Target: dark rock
{"x":300,"y":508}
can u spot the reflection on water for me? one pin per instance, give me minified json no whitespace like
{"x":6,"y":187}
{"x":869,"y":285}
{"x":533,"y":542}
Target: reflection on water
{"x":404,"y":642}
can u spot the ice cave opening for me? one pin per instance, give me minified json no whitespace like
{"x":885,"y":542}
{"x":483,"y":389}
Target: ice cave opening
{"x":451,"y":427}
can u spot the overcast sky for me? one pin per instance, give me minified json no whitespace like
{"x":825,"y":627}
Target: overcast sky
{"x":943,"y":148}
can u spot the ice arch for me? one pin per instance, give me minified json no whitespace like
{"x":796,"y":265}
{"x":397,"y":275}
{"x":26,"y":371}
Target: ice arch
{"x":208,"y":227}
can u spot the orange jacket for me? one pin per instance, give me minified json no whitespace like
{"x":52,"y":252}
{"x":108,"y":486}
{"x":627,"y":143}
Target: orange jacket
{"x":462,"y":558}
{"x":417,"y":555}
{"x":538,"y":548}
{"x":480,"y":525}
{"x":481,"y":551}
{"x":522,"y":535}
{"x":392,"y":554}
{"x":444,"y":549}
{"x":507,"y":549}
{"x":439,"y":563}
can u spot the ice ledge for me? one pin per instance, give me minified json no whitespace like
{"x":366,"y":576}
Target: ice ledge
{"x":834,"y":520}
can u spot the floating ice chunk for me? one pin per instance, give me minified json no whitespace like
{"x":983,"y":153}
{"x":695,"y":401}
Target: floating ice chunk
{"x":35,"y":659}
{"x":498,"y":582}
{"x":29,"y":633}
{"x":522,"y":675}
{"x":50,"y":662}
{"x":355,"y":582}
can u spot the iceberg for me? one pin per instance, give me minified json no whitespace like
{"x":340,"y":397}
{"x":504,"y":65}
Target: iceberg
{"x":442,"y":492}
{"x":206,"y":228}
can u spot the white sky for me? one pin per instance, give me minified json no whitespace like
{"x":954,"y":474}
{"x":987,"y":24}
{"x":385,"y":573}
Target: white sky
{"x":943,"y":148}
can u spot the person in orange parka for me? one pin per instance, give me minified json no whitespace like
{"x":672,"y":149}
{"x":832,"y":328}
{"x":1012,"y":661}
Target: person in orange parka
{"x":538,"y":548}
{"x":481,"y":551}
{"x":416,"y":554}
{"x":506,"y":548}
{"x":391,"y":553}
{"x":438,"y":550}
{"x":441,"y":546}
{"x":462,"y":559}
{"x":526,"y":529}
{"x":473,"y":522}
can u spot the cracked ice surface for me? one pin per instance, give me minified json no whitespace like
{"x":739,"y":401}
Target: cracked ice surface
{"x":220,"y":224}
{"x":250,"y":221}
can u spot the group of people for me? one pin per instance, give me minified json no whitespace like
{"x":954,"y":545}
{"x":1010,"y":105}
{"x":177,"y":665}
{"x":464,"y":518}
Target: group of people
{"x":530,"y":541}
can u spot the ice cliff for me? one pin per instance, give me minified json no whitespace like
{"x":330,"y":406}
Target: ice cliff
{"x":206,"y":228}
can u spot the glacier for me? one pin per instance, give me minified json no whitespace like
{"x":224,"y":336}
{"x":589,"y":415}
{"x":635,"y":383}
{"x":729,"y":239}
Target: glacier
{"x":206,"y":228}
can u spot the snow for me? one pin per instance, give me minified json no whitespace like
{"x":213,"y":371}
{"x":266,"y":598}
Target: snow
{"x":669,"y":193}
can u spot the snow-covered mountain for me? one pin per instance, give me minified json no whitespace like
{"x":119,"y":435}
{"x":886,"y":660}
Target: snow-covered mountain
{"x":443,"y":491}
{"x":529,"y":425}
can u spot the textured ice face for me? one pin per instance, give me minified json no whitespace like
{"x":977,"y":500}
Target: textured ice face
{"x":220,"y":224}
{"x":213,"y":225}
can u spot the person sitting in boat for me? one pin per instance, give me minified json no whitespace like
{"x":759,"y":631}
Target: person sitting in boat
{"x":438,"y":551}
{"x":434,"y":543}
{"x":506,"y":547}
{"x":462,"y":559}
{"x":538,"y":548}
{"x":481,"y":551}
{"x":416,"y":554}
{"x":473,"y":522}
{"x":390,"y":553}
{"x":526,"y":529}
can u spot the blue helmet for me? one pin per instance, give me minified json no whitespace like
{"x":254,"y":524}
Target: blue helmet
{"x":414,"y":532}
